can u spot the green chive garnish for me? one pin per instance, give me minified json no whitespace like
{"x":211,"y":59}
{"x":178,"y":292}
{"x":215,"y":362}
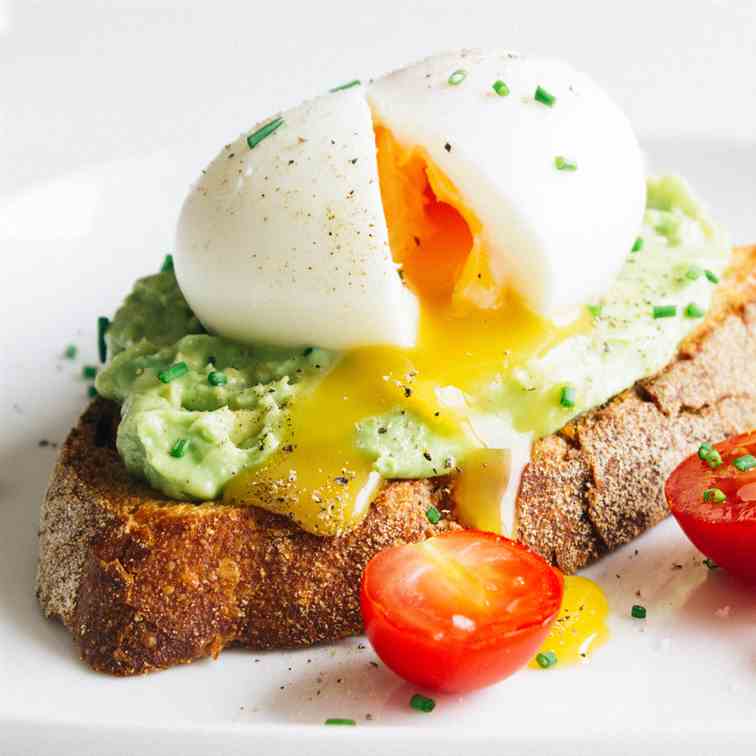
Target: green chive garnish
{"x":433,"y":515}
{"x":745,"y":463}
{"x":457,"y":77}
{"x":179,"y":448}
{"x":562,"y":164}
{"x":595,"y":310}
{"x":694,"y":311}
{"x":665,"y":311}
{"x":705,"y":449}
{"x":71,"y":352}
{"x":637,"y":245}
{"x":217,"y":378}
{"x":264,"y":131}
{"x":167,"y":265}
{"x":91,"y":392}
{"x":500,"y":88}
{"x":694,"y":273}
{"x":89,"y":372}
{"x":638,"y":611}
{"x":102,"y":346}
{"x":713,"y":277}
{"x":544,"y":97}
{"x":716,"y":495}
{"x":340,"y":721}
{"x":174,"y":371}
{"x":567,"y":396}
{"x":422,"y":703}
{"x":711,"y":564}
{"x":546,"y":659}
{"x":348,"y":85}
{"x":714,"y":459}
{"x":710,"y":455}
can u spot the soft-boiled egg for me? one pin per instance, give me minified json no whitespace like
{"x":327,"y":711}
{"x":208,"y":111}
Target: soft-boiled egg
{"x":495,"y":174}
{"x":440,"y":229}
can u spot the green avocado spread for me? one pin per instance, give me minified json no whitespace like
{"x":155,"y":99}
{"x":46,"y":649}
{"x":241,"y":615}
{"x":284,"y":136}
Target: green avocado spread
{"x":197,"y":409}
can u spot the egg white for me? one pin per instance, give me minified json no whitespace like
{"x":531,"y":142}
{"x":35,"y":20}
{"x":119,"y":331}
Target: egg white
{"x":286,"y":243}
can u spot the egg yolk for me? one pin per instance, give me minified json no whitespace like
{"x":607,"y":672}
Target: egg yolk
{"x":433,"y":235}
{"x":580,"y":626}
{"x":471,"y":330}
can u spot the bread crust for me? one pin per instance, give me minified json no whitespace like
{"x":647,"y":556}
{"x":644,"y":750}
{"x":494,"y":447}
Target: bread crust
{"x":144,"y":582}
{"x":598,"y":482}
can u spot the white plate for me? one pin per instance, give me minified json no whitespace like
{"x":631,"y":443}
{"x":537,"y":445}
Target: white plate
{"x":92,"y":206}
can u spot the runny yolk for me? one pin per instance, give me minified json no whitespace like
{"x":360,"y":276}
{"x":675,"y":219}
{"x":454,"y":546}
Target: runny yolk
{"x":580,"y":627}
{"x":471,"y":330}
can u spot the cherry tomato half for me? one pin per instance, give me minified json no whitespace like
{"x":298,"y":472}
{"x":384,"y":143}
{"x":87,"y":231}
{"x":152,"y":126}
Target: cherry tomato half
{"x":459,"y":611}
{"x":713,"y":497}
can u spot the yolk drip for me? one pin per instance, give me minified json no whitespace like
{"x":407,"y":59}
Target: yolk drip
{"x":580,"y":627}
{"x":319,"y":478}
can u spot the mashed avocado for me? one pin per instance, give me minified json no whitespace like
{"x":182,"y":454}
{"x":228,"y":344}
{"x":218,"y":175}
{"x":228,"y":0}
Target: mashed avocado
{"x":226,"y":409}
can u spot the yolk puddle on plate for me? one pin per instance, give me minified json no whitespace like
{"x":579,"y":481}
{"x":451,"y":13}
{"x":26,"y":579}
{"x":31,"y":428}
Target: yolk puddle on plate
{"x":471,"y":330}
{"x":580,"y":628}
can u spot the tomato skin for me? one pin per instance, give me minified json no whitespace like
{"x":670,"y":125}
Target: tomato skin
{"x":725,"y":532}
{"x":450,"y":665}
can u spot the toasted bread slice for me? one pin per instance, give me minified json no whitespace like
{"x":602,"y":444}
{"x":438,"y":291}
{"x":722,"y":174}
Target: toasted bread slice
{"x":144,"y":582}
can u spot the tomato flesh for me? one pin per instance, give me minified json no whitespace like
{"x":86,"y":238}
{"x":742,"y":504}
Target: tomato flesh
{"x":459,"y":611}
{"x":724,"y":531}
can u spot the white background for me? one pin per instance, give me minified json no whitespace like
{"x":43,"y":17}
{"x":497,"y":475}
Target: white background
{"x":107,"y":112}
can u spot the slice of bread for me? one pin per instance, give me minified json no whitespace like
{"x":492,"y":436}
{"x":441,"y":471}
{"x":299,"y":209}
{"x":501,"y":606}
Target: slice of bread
{"x":144,"y":582}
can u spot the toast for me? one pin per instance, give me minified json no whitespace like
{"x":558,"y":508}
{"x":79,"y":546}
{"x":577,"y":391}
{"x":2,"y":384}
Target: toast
{"x":144,"y":582}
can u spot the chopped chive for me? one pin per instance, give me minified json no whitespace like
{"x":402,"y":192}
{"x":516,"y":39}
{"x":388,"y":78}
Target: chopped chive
{"x":694,"y":311}
{"x":665,"y":311}
{"x":340,"y":721}
{"x":567,"y":396}
{"x":704,"y":450}
{"x":433,"y":515}
{"x":500,"y":88}
{"x":694,"y":273}
{"x":179,"y":448}
{"x":457,"y":77}
{"x":308,"y":351}
{"x":103,"y":324}
{"x":89,"y":372}
{"x":71,"y":352}
{"x":264,"y":131}
{"x":546,"y":659}
{"x":562,"y":164}
{"x":544,"y":97}
{"x":710,"y":455}
{"x":637,"y":245}
{"x":638,"y":611}
{"x":348,"y":85}
{"x":422,"y":703}
{"x":595,"y":310}
{"x":217,"y":378}
{"x":714,"y":460}
{"x":711,"y":564}
{"x":716,"y":495}
{"x":713,"y":277}
{"x":174,"y":371}
{"x":745,"y":463}
{"x":167,"y":265}
{"x":91,"y":392}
